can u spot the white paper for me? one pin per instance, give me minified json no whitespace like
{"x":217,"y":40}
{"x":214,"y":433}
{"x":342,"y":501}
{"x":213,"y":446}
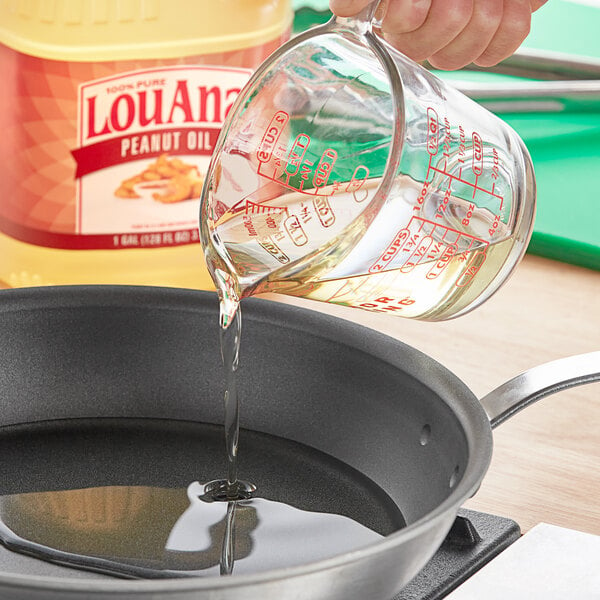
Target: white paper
{"x":547,"y":563}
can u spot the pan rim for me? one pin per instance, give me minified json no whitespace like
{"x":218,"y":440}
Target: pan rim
{"x":466,"y":407}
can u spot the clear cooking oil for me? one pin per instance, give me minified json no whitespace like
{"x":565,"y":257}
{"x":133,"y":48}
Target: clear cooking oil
{"x":118,"y":497}
{"x":429,"y":270}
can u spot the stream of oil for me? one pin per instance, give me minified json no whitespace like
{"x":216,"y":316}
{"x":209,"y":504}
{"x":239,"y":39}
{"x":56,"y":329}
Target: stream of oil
{"x":217,"y":526}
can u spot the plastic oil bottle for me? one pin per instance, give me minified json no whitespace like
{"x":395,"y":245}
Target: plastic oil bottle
{"x":109,"y":110}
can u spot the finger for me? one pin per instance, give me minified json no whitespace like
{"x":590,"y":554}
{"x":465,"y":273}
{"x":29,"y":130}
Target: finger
{"x":535,"y":4}
{"x":403,"y":16}
{"x":473,"y":40}
{"x":347,"y":8}
{"x":514,"y":28}
{"x":445,"y":20}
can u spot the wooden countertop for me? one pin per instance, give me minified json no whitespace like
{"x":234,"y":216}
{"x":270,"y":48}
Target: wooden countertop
{"x":546,"y":462}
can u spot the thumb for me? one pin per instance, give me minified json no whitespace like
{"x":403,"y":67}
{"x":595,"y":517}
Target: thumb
{"x":347,"y":8}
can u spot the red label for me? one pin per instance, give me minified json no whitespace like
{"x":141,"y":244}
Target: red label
{"x":124,"y":149}
{"x":112,"y":154}
{"x":145,"y":138}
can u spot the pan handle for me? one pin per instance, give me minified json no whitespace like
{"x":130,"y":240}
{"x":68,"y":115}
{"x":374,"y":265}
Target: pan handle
{"x":543,"y":380}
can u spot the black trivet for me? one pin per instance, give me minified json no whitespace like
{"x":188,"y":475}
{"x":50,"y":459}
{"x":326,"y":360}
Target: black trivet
{"x":475,"y":538}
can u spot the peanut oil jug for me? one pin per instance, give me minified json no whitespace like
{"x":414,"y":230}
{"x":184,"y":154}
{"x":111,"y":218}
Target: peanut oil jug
{"x":109,"y":111}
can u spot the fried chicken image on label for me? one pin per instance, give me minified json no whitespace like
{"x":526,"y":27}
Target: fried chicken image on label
{"x":166,"y":180}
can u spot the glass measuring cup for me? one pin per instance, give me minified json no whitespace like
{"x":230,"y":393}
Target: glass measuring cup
{"x":347,"y":173}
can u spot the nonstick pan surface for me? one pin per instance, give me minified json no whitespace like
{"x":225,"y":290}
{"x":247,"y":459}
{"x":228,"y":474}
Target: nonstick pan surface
{"x":138,"y":372}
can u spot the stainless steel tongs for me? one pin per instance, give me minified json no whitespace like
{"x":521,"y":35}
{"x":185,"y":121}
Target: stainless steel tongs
{"x":558,"y":83}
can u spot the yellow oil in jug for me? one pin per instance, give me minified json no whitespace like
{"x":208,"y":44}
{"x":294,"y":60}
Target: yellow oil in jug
{"x":109,"y":110}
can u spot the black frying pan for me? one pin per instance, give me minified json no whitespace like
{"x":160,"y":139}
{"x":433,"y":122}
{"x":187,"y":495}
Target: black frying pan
{"x":137,"y":371}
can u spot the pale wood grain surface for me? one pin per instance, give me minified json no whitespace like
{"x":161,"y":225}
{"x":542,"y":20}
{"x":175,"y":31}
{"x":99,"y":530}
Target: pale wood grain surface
{"x":546,"y":463}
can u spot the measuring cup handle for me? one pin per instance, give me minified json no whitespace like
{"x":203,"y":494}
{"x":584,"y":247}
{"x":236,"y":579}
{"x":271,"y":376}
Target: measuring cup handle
{"x":543,"y":380}
{"x":366,"y":17}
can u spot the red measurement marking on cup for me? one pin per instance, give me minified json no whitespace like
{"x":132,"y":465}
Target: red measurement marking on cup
{"x":469,"y":214}
{"x":252,"y":208}
{"x":271,"y":136}
{"x":274,"y":250}
{"x":295,"y":168}
{"x":294,"y":230}
{"x":390,"y":252}
{"x":433,"y":131}
{"x":324,"y":168}
{"x":218,"y":210}
{"x":358,"y":178}
{"x":296,"y":154}
{"x":425,"y":241}
{"x":348,"y":287}
{"x":475,"y":188}
{"x":495,"y":224}
{"x":292,"y":168}
{"x":355,"y":184}
{"x":423,"y":193}
{"x":497,"y":196}
{"x":324,"y":212}
{"x":495,"y":164}
{"x":419,"y":254}
{"x":445,"y":202}
{"x":459,"y":178}
{"x":441,"y":264}
{"x":473,"y":267}
{"x":386,"y":304}
{"x":477,"y":154}
{"x":447,"y":141}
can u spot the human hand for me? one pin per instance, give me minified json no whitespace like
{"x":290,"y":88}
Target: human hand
{"x":451,"y":33}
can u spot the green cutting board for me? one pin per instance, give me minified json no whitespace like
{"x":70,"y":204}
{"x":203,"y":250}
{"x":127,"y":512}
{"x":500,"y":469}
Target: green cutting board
{"x":565,"y":147}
